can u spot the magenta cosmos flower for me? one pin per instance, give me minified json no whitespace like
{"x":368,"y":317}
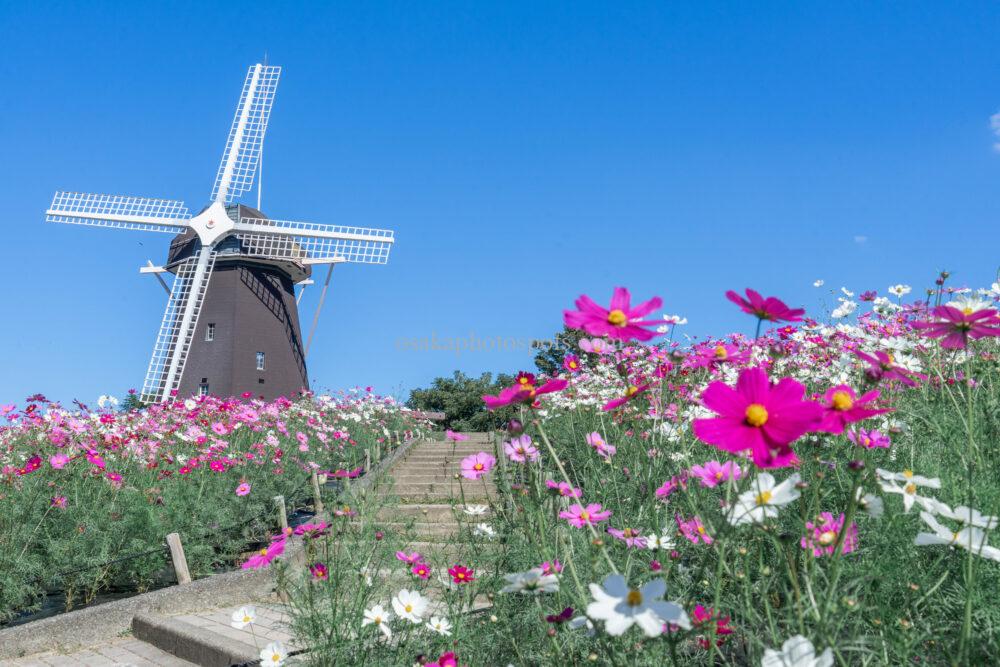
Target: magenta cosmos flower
{"x":579,"y":516}
{"x":882,"y":366}
{"x":841,"y":406}
{"x":521,"y":393}
{"x":633,"y":391}
{"x":713,"y":473}
{"x":693,"y":530}
{"x":620,"y":320}
{"x":821,"y":536}
{"x":564,"y":489}
{"x":771,"y":309}
{"x":721,"y":353}
{"x":571,"y":363}
{"x":477,"y":465}
{"x":264,"y":557}
{"x":461,"y":574}
{"x":873,"y":439}
{"x":758,"y":417}
{"x":630,"y":536}
{"x":957,"y":327}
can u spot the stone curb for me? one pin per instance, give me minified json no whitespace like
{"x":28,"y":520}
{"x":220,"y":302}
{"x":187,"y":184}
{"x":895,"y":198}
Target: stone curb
{"x":191,"y":643}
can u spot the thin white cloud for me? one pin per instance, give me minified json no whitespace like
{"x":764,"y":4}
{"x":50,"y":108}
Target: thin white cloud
{"x":995,"y":126}
{"x":860,"y":239}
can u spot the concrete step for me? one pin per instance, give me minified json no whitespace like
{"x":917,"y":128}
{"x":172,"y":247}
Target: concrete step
{"x":431,"y":512}
{"x":191,"y":643}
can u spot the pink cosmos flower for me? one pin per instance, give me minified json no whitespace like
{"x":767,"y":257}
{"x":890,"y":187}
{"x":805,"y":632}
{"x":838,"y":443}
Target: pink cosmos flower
{"x":579,"y":516}
{"x":702,"y":617}
{"x":312,"y":530}
{"x":477,"y":465}
{"x":630,"y":536}
{"x":264,"y":557}
{"x":523,"y":394}
{"x":713,"y":473}
{"x":571,"y":363}
{"x":564,"y":489}
{"x":461,"y":574}
{"x":521,"y":450}
{"x":455,"y":437}
{"x":422,"y":570}
{"x":671,"y":485}
{"x":448,"y":659}
{"x":882,"y":366}
{"x":771,"y":309}
{"x":957,"y":326}
{"x":243,"y":489}
{"x":58,"y":461}
{"x":873,"y":439}
{"x":409,"y":559}
{"x":58,"y":502}
{"x":633,"y":391}
{"x":553,"y":567}
{"x":720,"y":353}
{"x":619,"y":320}
{"x":821,"y":536}
{"x":842,"y":407}
{"x":604,"y":450}
{"x":319,"y":572}
{"x":595,"y":346}
{"x":95,"y":459}
{"x":693,"y":529}
{"x":758,"y":417}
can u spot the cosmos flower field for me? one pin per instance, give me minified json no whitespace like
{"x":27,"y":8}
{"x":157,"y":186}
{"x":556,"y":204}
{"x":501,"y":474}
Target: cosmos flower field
{"x":819,"y":489}
{"x":87,"y":496}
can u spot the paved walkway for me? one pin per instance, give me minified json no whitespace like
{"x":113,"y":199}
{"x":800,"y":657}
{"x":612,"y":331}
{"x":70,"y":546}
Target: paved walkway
{"x":431,"y":494}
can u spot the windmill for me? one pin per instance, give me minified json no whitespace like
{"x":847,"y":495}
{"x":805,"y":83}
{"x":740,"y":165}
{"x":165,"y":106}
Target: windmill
{"x":231,"y":321}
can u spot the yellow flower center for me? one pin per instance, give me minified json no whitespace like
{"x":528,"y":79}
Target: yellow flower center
{"x":478,"y":466}
{"x":910,"y":489}
{"x":842,"y":400}
{"x":585,"y":515}
{"x":632,"y":390}
{"x":263,"y":552}
{"x":828,"y":537}
{"x":720,"y":352}
{"x":572,"y":364}
{"x":408,"y":608}
{"x":701,"y":530}
{"x":627,"y":532}
{"x":247,"y":619}
{"x":764,"y":497}
{"x":524,"y":381}
{"x":908,"y":474}
{"x":718,"y":475}
{"x":967,"y":311}
{"x":756,"y":414}
{"x":378,"y":620}
{"x":275,"y":657}
{"x":617,"y":318}
{"x":634,"y":598}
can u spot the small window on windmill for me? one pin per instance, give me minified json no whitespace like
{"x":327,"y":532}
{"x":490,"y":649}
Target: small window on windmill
{"x":210,"y":332}
{"x":203,"y":389}
{"x":260,"y":361}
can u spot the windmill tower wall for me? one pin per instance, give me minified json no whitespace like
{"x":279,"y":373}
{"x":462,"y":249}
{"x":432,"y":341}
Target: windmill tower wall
{"x":249,"y":310}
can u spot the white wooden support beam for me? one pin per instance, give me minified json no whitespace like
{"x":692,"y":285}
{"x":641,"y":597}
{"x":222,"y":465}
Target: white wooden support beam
{"x":156,"y":271}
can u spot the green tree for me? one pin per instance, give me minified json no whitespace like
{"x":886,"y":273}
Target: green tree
{"x":550,"y":354}
{"x":459,"y":397}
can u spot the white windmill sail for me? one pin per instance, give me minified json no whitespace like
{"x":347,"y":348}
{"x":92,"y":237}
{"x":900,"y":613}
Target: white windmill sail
{"x":246,"y":136}
{"x":304,"y":241}
{"x":119,"y":212}
{"x":177,"y":331}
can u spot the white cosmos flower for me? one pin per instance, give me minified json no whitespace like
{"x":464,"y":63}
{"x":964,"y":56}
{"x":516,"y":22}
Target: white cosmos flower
{"x":900,"y":290}
{"x":410,"y":605}
{"x":848,"y":293}
{"x":675,"y":319}
{"x":654,"y":542}
{"x":105,"y":400}
{"x":870,"y":504}
{"x":380,"y":617}
{"x":621,"y":607}
{"x":910,"y":496}
{"x":476,"y":510}
{"x":189,"y":404}
{"x":818,"y":283}
{"x":845,"y":308}
{"x":969,"y":304}
{"x":534,"y":581}
{"x":484,"y":530}
{"x":968,"y":537}
{"x":908,"y":477}
{"x":797,"y":651}
{"x":583,"y":622}
{"x":763,"y":499}
{"x":274,"y":654}
{"x":440,"y":625}
{"x":243,"y":617}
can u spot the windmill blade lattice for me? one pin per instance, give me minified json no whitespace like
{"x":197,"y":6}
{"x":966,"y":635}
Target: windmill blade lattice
{"x":118,"y":212}
{"x":300,"y":241}
{"x":175,"y":334}
{"x":246,"y":136}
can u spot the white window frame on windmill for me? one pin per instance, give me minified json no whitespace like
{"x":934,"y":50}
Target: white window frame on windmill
{"x":203,"y":389}
{"x":210,"y":332}
{"x":260,"y":361}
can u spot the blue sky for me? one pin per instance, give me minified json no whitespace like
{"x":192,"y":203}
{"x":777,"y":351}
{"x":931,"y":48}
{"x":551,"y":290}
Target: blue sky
{"x":524,"y":153}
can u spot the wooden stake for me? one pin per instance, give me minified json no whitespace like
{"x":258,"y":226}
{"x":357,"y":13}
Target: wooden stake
{"x":368,"y":461}
{"x":282,"y":514}
{"x":177,"y":555}
{"x":317,"y":498}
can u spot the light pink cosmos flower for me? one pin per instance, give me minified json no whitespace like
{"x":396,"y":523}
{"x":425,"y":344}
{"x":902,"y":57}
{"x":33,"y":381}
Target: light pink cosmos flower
{"x":243,"y":489}
{"x":564,"y":489}
{"x":693,"y":529}
{"x":455,"y":437}
{"x":579,"y":516}
{"x":58,"y":461}
{"x":620,"y":320}
{"x":758,"y":417}
{"x":477,"y":465}
{"x":604,"y":450}
{"x":58,"y":502}
{"x":520,"y":450}
{"x":551,"y":567}
{"x":595,"y":346}
{"x":873,"y":439}
{"x":713,"y":473}
{"x":956,"y":327}
{"x":409,"y":559}
{"x":842,"y":407}
{"x":821,"y":536}
{"x":882,"y":366}
{"x":630,"y":536}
